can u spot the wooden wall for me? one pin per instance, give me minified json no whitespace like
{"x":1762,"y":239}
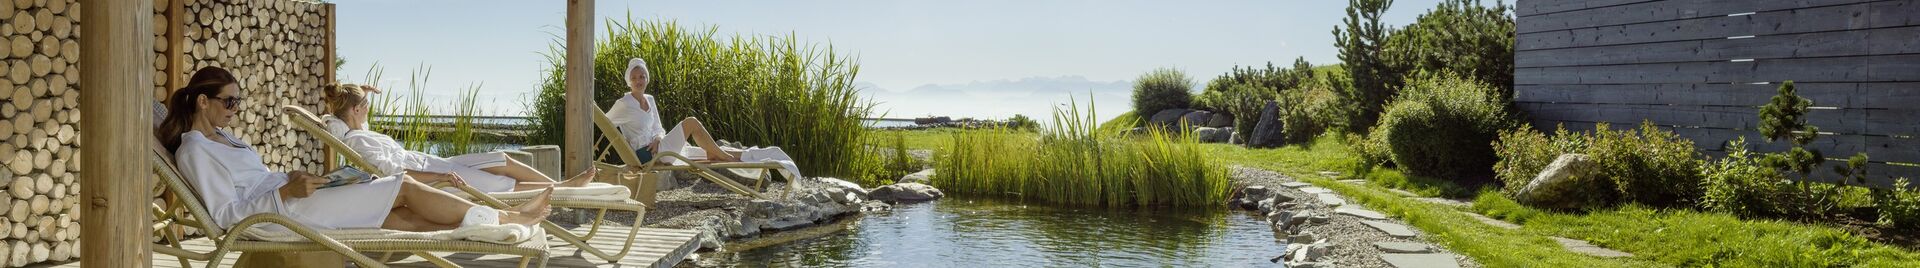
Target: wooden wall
{"x":1701,"y":68}
{"x":278,"y":49}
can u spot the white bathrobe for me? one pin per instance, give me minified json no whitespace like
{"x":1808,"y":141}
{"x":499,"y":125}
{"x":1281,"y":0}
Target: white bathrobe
{"x":234,"y":184}
{"x":392,"y":158}
{"x":643,"y":126}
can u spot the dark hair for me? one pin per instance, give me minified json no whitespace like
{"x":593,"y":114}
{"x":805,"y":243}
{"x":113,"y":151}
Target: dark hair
{"x":181,"y":108}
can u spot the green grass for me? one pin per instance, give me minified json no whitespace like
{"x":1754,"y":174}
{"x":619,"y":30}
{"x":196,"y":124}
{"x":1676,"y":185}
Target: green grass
{"x":414,"y":129}
{"x":1073,"y":162}
{"x":1659,"y":237}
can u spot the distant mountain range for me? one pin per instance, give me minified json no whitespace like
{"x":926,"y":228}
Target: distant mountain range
{"x":1000,"y":99}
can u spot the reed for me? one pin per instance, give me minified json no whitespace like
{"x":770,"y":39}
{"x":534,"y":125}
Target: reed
{"x":411,"y":124}
{"x":1073,"y":162}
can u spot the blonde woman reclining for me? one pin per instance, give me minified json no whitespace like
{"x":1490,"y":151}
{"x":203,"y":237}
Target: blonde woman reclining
{"x":234,"y":183}
{"x":493,"y":172}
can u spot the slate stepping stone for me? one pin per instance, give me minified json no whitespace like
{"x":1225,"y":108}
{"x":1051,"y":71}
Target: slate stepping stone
{"x":1429,"y":260}
{"x":1402,"y":247}
{"x":1357,"y":211}
{"x":1295,"y":184}
{"x":1582,"y":247}
{"x":1358,"y":182}
{"x":1315,"y":190}
{"x":1331,"y":199}
{"x":1392,"y":229}
{"x":1491,"y":221}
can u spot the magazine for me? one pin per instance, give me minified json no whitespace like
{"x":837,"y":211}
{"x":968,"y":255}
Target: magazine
{"x":346,"y":175}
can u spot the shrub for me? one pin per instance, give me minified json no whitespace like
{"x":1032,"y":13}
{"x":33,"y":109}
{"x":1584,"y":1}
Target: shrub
{"x":1360,"y":41}
{"x":1443,"y":126}
{"x":760,"y":90}
{"x":1314,"y":108}
{"x":1022,"y":122}
{"x":1243,"y":92}
{"x":1647,"y":165}
{"x":1460,"y":36}
{"x":1900,"y":206}
{"x":1160,"y":89}
{"x":1742,"y":185}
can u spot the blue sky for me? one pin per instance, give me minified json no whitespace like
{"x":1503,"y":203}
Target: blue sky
{"x":988,"y":59}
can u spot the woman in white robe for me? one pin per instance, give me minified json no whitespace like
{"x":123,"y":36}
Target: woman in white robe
{"x":347,"y":111}
{"x":234,"y":183}
{"x":638,"y":118}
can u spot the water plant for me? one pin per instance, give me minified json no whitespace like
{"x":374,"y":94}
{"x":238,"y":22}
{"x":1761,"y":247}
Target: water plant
{"x":1072,"y":161}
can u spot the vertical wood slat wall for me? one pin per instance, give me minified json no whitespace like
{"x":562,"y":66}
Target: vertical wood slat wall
{"x":1702,"y":68}
{"x":280,"y":49}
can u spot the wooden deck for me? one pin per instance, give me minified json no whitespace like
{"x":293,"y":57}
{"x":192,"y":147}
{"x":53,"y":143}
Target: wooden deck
{"x":654,"y":247}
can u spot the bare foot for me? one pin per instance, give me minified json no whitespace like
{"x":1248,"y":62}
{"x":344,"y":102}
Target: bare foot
{"x":531,"y":212}
{"x":581,"y":180}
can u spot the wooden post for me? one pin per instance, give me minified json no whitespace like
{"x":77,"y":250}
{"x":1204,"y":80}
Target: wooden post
{"x":116,"y":57}
{"x":579,"y":128}
{"x":176,"y":30}
{"x":328,"y":159}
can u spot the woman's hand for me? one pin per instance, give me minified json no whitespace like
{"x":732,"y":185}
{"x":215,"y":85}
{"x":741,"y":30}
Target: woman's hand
{"x":301,"y":185}
{"x":436,"y":177}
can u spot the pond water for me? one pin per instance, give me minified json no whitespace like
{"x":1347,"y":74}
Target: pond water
{"x":986,"y":233}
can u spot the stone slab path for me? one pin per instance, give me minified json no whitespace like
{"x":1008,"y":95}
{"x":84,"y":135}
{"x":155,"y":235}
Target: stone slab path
{"x":1316,"y":190}
{"x":1402,"y":247}
{"x":1357,"y":211}
{"x":1392,"y":229}
{"x":1330,"y":199}
{"x":1495,"y":222}
{"x":1295,"y":184}
{"x":1428,"y":260}
{"x":1582,"y":247}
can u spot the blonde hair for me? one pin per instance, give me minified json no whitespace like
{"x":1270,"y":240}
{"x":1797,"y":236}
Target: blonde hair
{"x":343,"y":97}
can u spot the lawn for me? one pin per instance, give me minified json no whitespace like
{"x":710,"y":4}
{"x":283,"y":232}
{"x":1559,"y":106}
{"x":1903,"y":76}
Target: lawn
{"x":1670,"y":237}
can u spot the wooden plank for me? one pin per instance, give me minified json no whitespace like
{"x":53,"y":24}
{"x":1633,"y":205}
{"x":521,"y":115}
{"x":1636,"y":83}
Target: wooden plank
{"x":1538,"y":7}
{"x":655,"y":247}
{"x":1843,"y":121}
{"x":578,"y":149}
{"x":1645,"y":12}
{"x":1843,"y":95}
{"x":1809,"y":20}
{"x":1885,"y":68}
{"x":328,"y":157}
{"x":176,"y":44}
{"x":1880,"y":41}
{"x":117,"y":58}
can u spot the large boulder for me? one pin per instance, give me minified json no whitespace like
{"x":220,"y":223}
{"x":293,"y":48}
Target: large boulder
{"x":1195,"y":118}
{"x":1266,"y":133}
{"x":1167,"y":119}
{"x":921,"y":177}
{"x":1572,"y":181}
{"x":1219,"y":135}
{"x":905,"y":193}
{"x":1220,"y":120}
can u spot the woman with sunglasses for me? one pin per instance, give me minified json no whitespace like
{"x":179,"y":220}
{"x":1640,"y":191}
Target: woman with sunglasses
{"x":347,"y":108}
{"x":234,"y":183}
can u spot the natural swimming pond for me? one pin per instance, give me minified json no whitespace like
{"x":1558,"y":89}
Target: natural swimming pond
{"x":986,"y":233}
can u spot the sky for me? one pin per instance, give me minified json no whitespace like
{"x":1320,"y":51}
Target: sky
{"x":982,"y":59}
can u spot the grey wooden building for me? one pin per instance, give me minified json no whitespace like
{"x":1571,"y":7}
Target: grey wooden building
{"x":1702,"y":68}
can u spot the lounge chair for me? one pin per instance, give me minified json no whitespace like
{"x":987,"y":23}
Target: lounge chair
{"x":637,"y":175}
{"x":190,"y":213}
{"x":309,"y":123}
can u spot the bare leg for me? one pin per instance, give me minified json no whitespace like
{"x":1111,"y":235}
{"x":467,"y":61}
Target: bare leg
{"x":528,"y":179}
{"x":705,"y":140}
{"x":405,"y":219}
{"x":439,"y":207}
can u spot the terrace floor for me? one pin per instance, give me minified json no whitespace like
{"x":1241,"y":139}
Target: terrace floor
{"x":655,"y":247}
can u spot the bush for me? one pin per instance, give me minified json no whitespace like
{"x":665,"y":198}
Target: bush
{"x":1316,"y":107}
{"x":1161,"y":89}
{"x":1442,"y":127}
{"x":1460,"y":36}
{"x":1647,"y":166}
{"x":1900,"y":206}
{"x":1243,"y":92}
{"x":1022,"y":122}
{"x":1742,"y":185}
{"x":759,"y":90}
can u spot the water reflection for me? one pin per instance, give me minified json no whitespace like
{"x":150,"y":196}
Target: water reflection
{"x":986,"y":233}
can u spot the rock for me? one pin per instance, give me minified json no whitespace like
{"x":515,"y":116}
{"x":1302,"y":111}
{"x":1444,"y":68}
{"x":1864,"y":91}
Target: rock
{"x":923,"y":176}
{"x":1220,"y":120}
{"x":1568,"y":183}
{"x":1319,"y":218}
{"x":1315,"y":190}
{"x":905,"y":193}
{"x":1302,"y":237}
{"x":1167,"y":119}
{"x":1268,"y":205}
{"x":1293,"y":248}
{"x":1330,"y":199}
{"x":1311,"y":253}
{"x":1256,"y":190}
{"x":1266,"y":132}
{"x":1212,"y":135}
{"x":1295,"y":184}
{"x":1310,"y":265}
{"x":1402,"y":247}
{"x":1196,"y":118}
{"x":849,"y":186}
{"x":1301,"y":217}
{"x":1359,"y":212}
{"x":1433,"y":260}
{"x":1394,"y":230}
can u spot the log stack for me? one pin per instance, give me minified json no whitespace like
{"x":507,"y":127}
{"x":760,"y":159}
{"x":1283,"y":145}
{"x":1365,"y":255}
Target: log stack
{"x":278,"y":49}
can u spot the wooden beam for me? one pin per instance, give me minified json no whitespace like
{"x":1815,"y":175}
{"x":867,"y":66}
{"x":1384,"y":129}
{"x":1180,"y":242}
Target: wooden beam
{"x":176,"y":30}
{"x":328,"y":158}
{"x":117,"y":58}
{"x":579,"y":130}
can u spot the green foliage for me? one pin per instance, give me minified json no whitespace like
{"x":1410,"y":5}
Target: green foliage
{"x":1315,"y":107}
{"x":1784,"y":117}
{"x":413,"y":121}
{"x":1073,"y":162}
{"x":1443,"y":126}
{"x":1742,"y":184}
{"x":1361,"y":42}
{"x":1243,"y":91}
{"x":1126,"y":121}
{"x":1648,"y":166}
{"x":1160,"y":89}
{"x":899,"y":161}
{"x":1459,"y":36}
{"x":760,"y":90}
{"x":1900,"y":206}
{"x":1022,"y":122}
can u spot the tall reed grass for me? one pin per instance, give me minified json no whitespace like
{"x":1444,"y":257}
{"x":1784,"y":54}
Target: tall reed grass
{"x":1074,"y":162}
{"x":759,"y":90}
{"x":411,"y":124}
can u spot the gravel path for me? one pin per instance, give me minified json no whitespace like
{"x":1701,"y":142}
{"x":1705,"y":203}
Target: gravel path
{"x":1352,"y":241}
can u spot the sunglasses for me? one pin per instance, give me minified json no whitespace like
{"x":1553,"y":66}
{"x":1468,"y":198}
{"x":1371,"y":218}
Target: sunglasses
{"x":230,"y":102}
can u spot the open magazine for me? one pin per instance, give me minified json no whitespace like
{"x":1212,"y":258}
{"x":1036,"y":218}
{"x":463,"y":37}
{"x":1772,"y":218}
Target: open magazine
{"x":346,"y":175}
